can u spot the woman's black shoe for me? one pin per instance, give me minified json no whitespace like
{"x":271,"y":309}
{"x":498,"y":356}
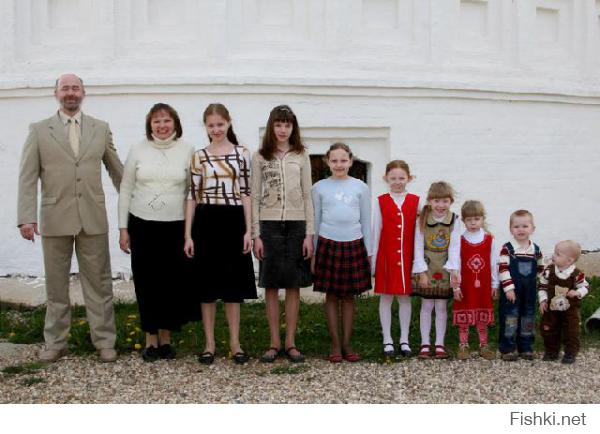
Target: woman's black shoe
{"x":166,"y":351}
{"x":150,"y":354}
{"x":240,"y":358}
{"x":206,"y":358}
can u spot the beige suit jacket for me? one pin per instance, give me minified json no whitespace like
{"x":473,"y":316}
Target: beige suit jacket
{"x":72,"y":195}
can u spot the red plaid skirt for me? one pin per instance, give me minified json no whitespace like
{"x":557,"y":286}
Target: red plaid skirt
{"x":342,"y":267}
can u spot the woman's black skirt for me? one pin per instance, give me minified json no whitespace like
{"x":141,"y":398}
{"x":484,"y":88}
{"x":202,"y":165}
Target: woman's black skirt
{"x":161,"y":274}
{"x":283,"y":265}
{"x":221,"y":270}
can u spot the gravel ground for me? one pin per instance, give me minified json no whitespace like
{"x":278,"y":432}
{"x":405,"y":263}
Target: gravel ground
{"x":130,"y":380}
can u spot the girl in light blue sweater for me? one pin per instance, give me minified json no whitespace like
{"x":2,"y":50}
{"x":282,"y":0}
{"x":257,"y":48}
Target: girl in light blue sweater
{"x":343,"y":246}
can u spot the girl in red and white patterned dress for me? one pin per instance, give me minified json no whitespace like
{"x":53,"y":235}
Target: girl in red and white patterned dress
{"x":394,"y":222}
{"x":473,"y":305}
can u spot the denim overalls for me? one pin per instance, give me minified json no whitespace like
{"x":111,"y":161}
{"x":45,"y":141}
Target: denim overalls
{"x":517,"y":320}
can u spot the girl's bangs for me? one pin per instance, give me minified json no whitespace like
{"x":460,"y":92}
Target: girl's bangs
{"x":440,"y":194}
{"x":283,"y":115}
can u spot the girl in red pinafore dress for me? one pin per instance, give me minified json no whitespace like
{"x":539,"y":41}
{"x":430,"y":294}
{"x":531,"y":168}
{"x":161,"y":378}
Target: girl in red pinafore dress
{"x":394,"y":224}
{"x":473,"y":305}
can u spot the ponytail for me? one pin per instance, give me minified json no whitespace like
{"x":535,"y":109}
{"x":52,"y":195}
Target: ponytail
{"x":425,"y":211}
{"x":231,"y":136}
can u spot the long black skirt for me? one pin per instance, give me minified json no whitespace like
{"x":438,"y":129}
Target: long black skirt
{"x":221,"y":270}
{"x":161,"y":275}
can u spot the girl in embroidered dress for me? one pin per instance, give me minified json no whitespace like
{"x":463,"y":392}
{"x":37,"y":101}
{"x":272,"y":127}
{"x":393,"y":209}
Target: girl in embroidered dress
{"x":343,"y":246}
{"x":437,"y":262}
{"x":217,"y":229}
{"x":282,"y":224}
{"x":394,"y":222}
{"x":473,"y":304}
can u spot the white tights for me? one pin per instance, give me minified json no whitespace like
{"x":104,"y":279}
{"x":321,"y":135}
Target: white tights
{"x":385,"y":316}
{"x":441,"y":316}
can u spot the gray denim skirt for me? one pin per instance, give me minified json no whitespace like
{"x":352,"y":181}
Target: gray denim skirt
{"x":283,"y":265}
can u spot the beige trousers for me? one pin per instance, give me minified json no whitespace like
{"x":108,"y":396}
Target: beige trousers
{"x":96,"y":282}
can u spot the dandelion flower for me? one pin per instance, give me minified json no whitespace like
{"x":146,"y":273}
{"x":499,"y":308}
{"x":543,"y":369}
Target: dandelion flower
{"x":82,"y":322}
{"x":138,"y":346}
{"x":128,"y":339}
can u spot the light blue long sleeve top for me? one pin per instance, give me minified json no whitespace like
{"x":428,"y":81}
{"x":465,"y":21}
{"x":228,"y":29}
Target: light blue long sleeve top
{"x":342,"y":210}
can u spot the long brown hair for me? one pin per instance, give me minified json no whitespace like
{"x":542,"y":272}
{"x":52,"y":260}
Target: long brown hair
{"x":437,"y":190}
{"x":221,"y":110}
{"x":281,"y":113}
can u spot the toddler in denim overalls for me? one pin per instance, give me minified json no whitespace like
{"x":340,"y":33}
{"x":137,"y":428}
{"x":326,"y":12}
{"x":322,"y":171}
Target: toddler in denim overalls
{"x":520,"y":263}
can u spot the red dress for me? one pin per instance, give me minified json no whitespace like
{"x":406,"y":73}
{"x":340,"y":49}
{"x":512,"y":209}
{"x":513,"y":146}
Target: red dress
{"x":476,"y":307}
{"x":396,"y":245}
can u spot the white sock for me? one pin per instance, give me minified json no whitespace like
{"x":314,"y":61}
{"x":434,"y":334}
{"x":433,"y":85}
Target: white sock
{"x":441,"y":316}
{"x":404,"y":316}
{"x":385,"y":317}
{"x":425,"y":320}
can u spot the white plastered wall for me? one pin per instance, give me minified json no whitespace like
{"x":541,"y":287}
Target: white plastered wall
{"x":499,"y":97}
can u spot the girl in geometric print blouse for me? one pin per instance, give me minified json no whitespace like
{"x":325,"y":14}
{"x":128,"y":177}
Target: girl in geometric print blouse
{"x":217,"y":229}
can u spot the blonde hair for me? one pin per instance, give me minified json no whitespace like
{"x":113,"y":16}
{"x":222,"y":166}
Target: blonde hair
{"x":573,"y":247}
{"x":474,"y":208}
{"x":398,"y":164}
{"x":437,"y":190}
{"x":521,"y":213}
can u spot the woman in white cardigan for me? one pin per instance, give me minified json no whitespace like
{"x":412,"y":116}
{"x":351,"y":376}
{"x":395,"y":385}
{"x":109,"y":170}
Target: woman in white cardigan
{"x":151,"y":213}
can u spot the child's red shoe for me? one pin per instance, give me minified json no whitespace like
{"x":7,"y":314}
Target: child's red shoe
{"x":335,"y":358}
{"x":440,"y":352}
{"x":425,"y":352}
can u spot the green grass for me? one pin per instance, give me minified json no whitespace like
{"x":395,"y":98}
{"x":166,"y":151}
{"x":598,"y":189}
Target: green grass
{"x":288,"y":369}
{"x":23,"y":369}
{"x":26,"y":326}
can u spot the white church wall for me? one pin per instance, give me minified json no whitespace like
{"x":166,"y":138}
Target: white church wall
{"x":499,"y":97}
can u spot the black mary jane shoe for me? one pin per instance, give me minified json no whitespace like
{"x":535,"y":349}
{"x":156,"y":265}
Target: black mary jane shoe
{"x":206,"y":358}
{"x":405,"y":352}
{"x":166,"y":351}
{"x":388,"y":350}
{"x":240,"y":358}
{"x":150,"y":354}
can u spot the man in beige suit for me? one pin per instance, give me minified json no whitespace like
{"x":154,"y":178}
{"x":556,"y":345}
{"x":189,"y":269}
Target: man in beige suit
{"x":65,"y":152}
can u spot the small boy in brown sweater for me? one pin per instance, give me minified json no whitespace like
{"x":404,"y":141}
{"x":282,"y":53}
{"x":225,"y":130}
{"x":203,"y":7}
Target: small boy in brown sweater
{"x":562,"y":286}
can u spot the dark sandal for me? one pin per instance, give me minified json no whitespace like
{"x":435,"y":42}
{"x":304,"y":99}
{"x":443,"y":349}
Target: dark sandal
{"x":299,"y":358}
{"x":270,"y":355}
{"x":240,"y":358}
{"x":206,"y":358}
{"x":387,"y":352}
